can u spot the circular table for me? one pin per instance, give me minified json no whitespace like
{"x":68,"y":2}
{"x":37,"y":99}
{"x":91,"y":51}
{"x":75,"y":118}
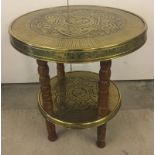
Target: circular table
{"x":78,"y":34}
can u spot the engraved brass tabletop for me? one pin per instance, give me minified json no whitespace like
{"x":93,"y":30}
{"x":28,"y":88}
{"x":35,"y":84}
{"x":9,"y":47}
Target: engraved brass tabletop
{"x":77,"y":34}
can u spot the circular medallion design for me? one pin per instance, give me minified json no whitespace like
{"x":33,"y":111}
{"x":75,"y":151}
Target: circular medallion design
{"x":78,"y":93}
{"x":77,"y":23}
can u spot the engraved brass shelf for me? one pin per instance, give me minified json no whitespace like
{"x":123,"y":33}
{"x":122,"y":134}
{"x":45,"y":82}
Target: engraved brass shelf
{"x":77,"y":34}
{"x":75,"y":101}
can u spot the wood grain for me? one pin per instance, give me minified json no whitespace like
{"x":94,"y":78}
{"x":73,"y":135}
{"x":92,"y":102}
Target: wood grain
{"x":60,"y":70}
{"x":103,"y":85}
{"x":45,"y":87}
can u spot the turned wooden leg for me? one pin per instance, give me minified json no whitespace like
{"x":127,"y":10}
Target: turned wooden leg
{"x":61,"y":85}
{"x":44,"y":79}
{"x":103,"y":85}
{"x":60,"y":71}
{"x":101,"y":133}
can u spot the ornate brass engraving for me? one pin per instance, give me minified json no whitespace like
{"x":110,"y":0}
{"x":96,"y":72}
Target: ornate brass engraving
{"x":75,"y":101}
{"x":78,"y":34}
{"x":77,"y":23}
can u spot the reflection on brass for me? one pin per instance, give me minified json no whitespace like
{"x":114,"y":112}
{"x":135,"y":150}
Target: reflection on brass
{"x":78,"y":33}
{"x":78,"y":108}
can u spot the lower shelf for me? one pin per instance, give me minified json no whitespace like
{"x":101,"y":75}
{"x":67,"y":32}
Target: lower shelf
{"x":75,"y":101}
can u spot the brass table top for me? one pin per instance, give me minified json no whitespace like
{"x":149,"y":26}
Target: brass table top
{"x":78,"y":34}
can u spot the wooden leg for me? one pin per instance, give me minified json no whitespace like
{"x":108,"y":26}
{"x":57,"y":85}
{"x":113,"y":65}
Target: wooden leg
{"x":103,"y":85}
{"x":60,"y":71}
{"x":62,"y":85}
{"x":44,"y":79}
{"x":101,"y":133}
{"x":52,"y":136}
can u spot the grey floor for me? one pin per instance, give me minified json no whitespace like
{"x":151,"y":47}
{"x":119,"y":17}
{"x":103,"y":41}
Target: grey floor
{"x":129,"y":133}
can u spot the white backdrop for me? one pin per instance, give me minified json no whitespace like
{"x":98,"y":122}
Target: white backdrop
{"x":18,"y":68}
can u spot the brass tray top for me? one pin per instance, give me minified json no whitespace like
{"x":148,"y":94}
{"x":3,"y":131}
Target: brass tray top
{"x":77,"y":33}
{"x":75,"y":101}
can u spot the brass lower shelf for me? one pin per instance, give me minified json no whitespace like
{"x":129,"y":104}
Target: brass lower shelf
{"x":75,"y":101}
